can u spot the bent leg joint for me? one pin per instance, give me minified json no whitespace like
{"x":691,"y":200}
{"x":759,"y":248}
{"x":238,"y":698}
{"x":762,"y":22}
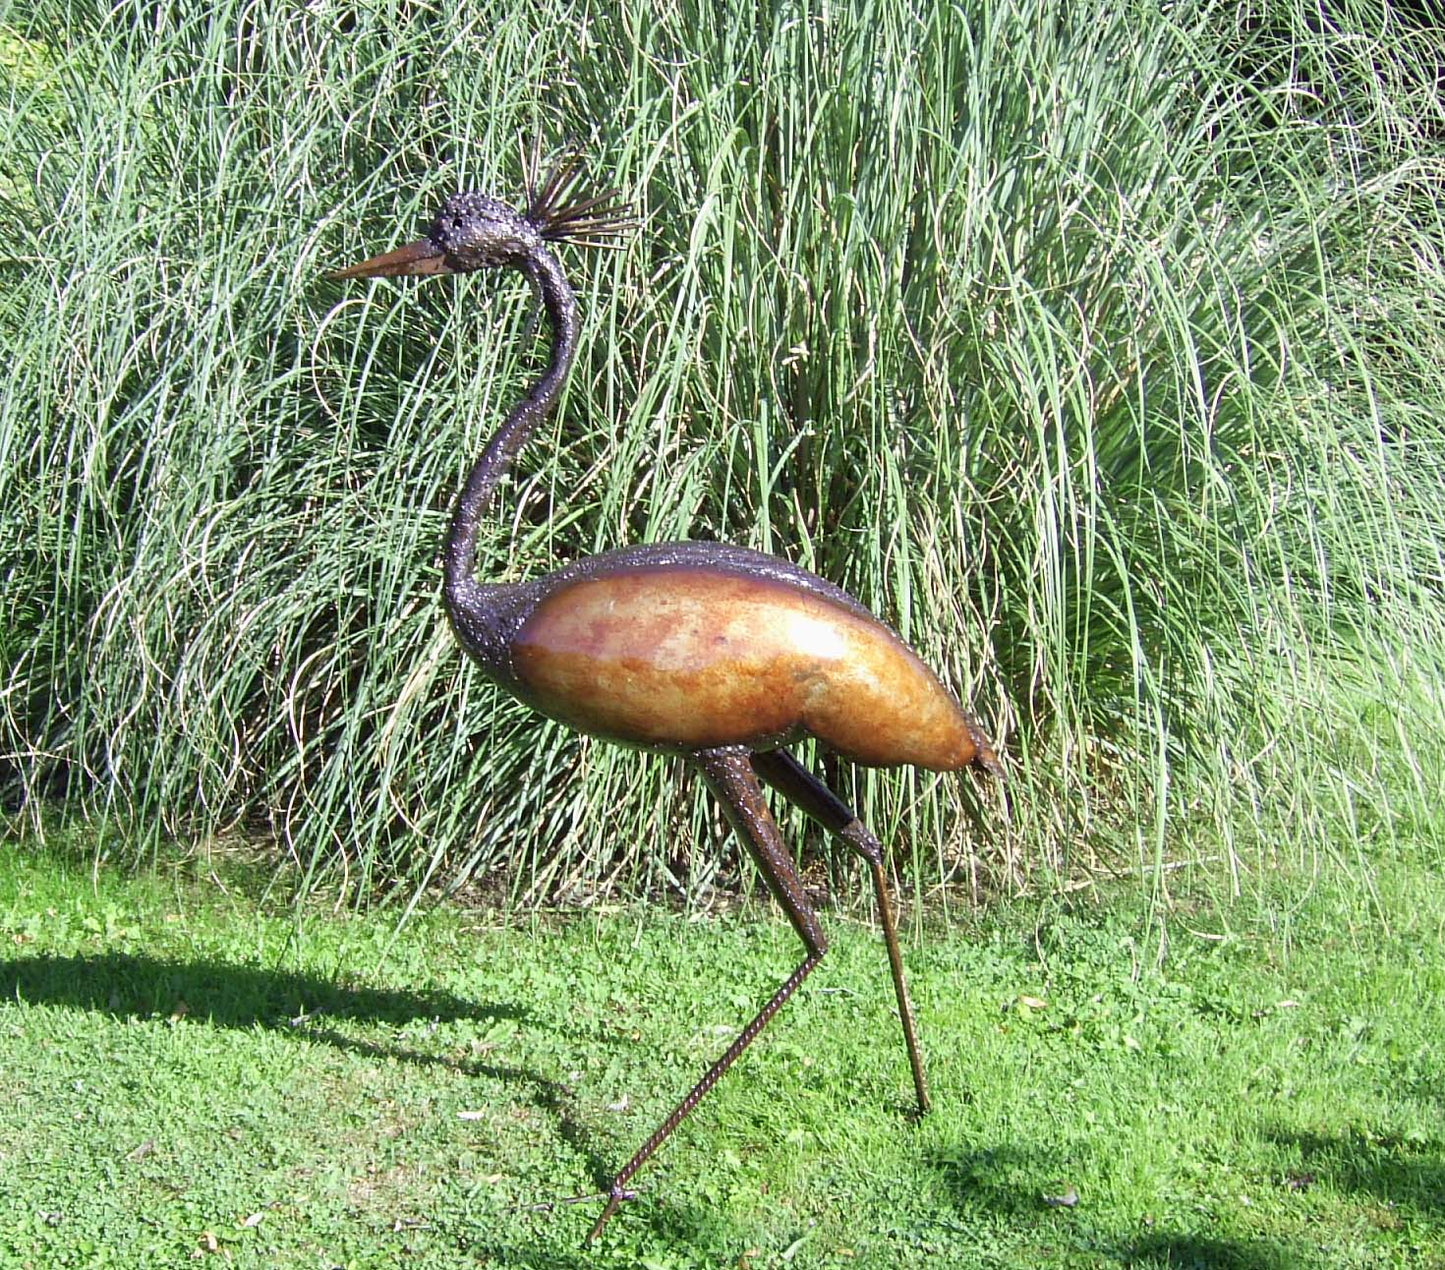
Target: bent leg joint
{"x":858,"y":836}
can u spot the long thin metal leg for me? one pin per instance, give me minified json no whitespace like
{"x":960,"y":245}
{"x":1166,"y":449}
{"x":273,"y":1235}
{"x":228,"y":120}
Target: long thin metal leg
{"x":735,"y":785}
{"x":806,"y":792}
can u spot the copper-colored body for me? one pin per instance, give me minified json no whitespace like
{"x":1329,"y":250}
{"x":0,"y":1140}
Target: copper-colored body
{"x":691,"y":658}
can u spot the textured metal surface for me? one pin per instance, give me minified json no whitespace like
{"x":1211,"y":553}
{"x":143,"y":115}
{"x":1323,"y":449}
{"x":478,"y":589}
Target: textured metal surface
{"x":703,"y":649}
{"x":733,"y":782}
{"x":806,"y":792}
{"x":459,"y":553}
{"x":696,"y":657}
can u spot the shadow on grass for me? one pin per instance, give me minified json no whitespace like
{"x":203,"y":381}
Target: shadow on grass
{"x":1408,"y":1176}
{"x":1163,"y":1251}
{"x":651,"y":1224}
{"x":230,"y":995}
{"x":999,"y":1180}
{"x":1011,"y":1183}
{"x":135,"y":986}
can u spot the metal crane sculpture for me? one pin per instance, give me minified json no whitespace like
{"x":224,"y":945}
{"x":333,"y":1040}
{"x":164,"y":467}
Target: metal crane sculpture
{"x":712,"y":652}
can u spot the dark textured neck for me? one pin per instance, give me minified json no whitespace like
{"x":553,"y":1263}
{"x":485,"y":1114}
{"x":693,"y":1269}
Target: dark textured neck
{"x":543,"y":269}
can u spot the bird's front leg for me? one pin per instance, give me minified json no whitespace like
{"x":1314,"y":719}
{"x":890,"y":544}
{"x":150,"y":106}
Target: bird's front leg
{"x":734,"y":783}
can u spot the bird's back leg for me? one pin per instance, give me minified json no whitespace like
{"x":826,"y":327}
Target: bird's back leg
{"x":735,"y":785}
{"x":806,"y":792}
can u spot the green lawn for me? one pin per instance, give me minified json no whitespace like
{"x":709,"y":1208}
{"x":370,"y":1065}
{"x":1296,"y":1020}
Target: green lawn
{"x":1256,"y":1084}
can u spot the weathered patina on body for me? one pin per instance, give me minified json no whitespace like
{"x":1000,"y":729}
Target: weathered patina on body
{"x":692,"y":658}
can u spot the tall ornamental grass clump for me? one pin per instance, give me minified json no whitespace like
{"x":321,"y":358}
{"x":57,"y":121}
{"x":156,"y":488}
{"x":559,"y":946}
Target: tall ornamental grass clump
{"x":1098,"y":349}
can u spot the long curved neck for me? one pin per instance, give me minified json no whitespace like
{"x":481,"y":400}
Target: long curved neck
{"x":459,"y":554}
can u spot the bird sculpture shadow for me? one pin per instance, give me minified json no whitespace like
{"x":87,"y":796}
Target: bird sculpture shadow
{"x":718,"y":654}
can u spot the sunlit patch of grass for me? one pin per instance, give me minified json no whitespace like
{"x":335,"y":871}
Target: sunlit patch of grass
{"x":1116,"y":1083}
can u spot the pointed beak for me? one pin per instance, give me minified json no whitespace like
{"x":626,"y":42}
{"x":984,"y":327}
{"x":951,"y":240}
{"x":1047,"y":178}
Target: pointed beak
{"x":422,"y":257}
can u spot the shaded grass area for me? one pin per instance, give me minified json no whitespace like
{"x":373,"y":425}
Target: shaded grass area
{"x":184,"y":1072}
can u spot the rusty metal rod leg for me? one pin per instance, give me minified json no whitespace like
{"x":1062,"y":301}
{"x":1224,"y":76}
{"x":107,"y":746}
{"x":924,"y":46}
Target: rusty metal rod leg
{"x":619,"y":1191}
{"x":731,"y":778}
{"x":806,"y":792}
{"x":900,"y":986}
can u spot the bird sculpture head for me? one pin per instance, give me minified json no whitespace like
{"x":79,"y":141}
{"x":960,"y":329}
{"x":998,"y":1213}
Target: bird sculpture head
{"x":475,"y":231}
